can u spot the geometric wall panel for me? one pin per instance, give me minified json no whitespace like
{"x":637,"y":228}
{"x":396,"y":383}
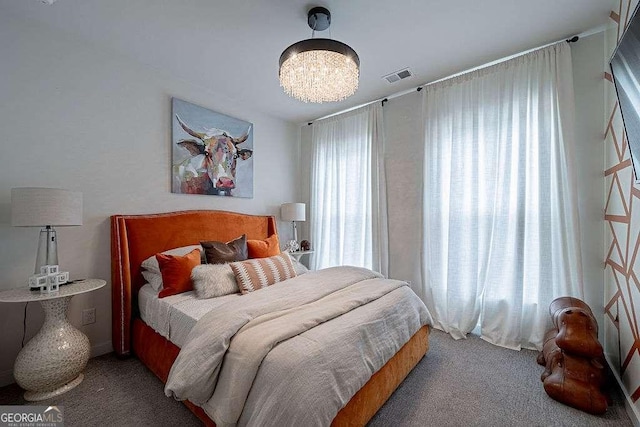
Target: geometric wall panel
{"x":622,"y":232}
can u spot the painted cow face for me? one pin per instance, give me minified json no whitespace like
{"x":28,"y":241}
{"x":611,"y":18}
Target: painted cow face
{"x":212,"y":167}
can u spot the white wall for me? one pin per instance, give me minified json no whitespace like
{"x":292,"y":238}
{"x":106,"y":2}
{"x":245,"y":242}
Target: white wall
{"x":304,"y":174}
{"x":74,"y":115}
{"x":404,"y":159}
{"x":589,"y":96}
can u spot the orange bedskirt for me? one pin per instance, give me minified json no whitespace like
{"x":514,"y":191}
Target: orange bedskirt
{"x":158,"y":354}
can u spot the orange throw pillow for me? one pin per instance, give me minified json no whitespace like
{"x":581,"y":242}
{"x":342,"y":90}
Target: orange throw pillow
{"x":264,"y":248}
{"x":176,"y":272}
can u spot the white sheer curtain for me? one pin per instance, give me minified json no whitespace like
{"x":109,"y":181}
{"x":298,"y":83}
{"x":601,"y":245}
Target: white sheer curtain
{"x":348,"y":212}
{"x":500,"y":200}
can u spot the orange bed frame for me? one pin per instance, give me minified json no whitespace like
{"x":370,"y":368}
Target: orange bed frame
{"x":137,"y":237}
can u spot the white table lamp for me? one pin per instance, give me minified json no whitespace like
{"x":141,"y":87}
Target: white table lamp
{"x":293,"y":212}
{"x":48,"y":208}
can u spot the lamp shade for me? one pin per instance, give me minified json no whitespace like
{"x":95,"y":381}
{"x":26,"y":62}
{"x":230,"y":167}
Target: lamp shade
{"x":37,"y":207}
{"x":293,"y":211}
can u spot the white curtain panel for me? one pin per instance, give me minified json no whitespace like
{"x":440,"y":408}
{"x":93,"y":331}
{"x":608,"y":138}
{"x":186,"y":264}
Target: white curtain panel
{"x":500,"y":199}
{"x":348,"y":212}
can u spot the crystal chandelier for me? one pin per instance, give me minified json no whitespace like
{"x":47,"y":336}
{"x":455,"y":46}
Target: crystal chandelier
{"x":319,"y":70}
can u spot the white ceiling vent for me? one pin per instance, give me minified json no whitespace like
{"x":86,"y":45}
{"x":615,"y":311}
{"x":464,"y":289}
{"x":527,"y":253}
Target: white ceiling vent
{"x":396,"y":76}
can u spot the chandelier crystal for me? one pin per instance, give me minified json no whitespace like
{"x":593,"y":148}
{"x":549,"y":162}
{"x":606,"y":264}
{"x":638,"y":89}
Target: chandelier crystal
{"x":319,"y":70}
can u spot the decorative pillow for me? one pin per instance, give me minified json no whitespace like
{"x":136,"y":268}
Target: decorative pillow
{"x":258,"y":273}
{"x":151,"y":263}
{"x":213,"y":280}
{"x":176,"y":272}
{"x":155,"y":279}
{"x":264,"y":248}
{"x":220,"y":253}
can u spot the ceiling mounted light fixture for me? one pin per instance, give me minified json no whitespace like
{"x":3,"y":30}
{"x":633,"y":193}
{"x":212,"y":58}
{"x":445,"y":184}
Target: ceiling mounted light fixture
{"x":319,"y":70}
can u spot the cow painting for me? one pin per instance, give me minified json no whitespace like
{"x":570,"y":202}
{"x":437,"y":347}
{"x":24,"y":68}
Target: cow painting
{"x":209,"y":160}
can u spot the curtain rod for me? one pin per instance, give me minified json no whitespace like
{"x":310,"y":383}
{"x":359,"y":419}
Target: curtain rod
{"x":488,"y":64}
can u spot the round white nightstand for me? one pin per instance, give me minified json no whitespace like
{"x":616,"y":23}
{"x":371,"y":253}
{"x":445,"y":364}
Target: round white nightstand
{"x":298,"y":254}
{"x":52,"y":361}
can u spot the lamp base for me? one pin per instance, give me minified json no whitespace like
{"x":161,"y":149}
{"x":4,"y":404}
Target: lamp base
{"x":295,"y":232}
{"x":47,"y":248}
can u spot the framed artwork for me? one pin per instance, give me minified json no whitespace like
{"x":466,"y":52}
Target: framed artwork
{"x":211,"y":153}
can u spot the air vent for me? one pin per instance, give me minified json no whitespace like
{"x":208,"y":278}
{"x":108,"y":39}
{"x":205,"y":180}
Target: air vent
{"x":398,"y":75}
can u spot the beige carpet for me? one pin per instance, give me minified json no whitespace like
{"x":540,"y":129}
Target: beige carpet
{"x":458,"y":383}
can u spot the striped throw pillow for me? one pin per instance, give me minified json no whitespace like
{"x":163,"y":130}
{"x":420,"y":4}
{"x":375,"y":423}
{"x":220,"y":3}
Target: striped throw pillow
{"x":258,"y":273}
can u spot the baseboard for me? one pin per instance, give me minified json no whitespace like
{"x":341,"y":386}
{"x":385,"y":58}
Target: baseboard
{"x":628,"y":403}
{"x":6,"y":377}
{"x":102,"y":348}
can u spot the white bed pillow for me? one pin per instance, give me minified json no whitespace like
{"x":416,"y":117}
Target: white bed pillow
{"x":151,"y":263}
{"x":299,"y":267}
{"x":154,"y":279}
{"x":213,"y":280}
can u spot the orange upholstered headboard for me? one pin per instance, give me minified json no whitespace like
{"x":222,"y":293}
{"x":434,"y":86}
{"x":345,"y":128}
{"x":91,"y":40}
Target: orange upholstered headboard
{"x":134,"y":238}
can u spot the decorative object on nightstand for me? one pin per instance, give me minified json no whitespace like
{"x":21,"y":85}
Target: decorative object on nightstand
{"x":48,"y":208}
{"x":293,"y":212}
{"x":305,"y":245}
{"x":291,"y":246}
{"x":49,"y":279}
{"x":51,"y":363}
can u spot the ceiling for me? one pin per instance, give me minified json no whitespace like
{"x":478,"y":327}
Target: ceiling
{"x":232,"y":48}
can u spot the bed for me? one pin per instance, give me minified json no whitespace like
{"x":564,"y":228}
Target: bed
{"x":137,"y":237}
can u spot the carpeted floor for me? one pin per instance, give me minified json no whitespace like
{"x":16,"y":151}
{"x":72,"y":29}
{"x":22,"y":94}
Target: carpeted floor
{"x":467,"y":382}
{"x":473,"y":383}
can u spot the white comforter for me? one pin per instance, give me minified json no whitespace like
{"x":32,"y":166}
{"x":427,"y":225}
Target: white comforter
{"x":296,"y":352}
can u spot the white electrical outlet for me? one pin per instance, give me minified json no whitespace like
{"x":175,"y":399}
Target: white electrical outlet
{"x":88,"y":316}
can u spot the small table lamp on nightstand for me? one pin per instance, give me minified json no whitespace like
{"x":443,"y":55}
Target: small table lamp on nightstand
{"x":45,"y":207}
{"x":51,"y":363}
{"x":293,"y":212}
